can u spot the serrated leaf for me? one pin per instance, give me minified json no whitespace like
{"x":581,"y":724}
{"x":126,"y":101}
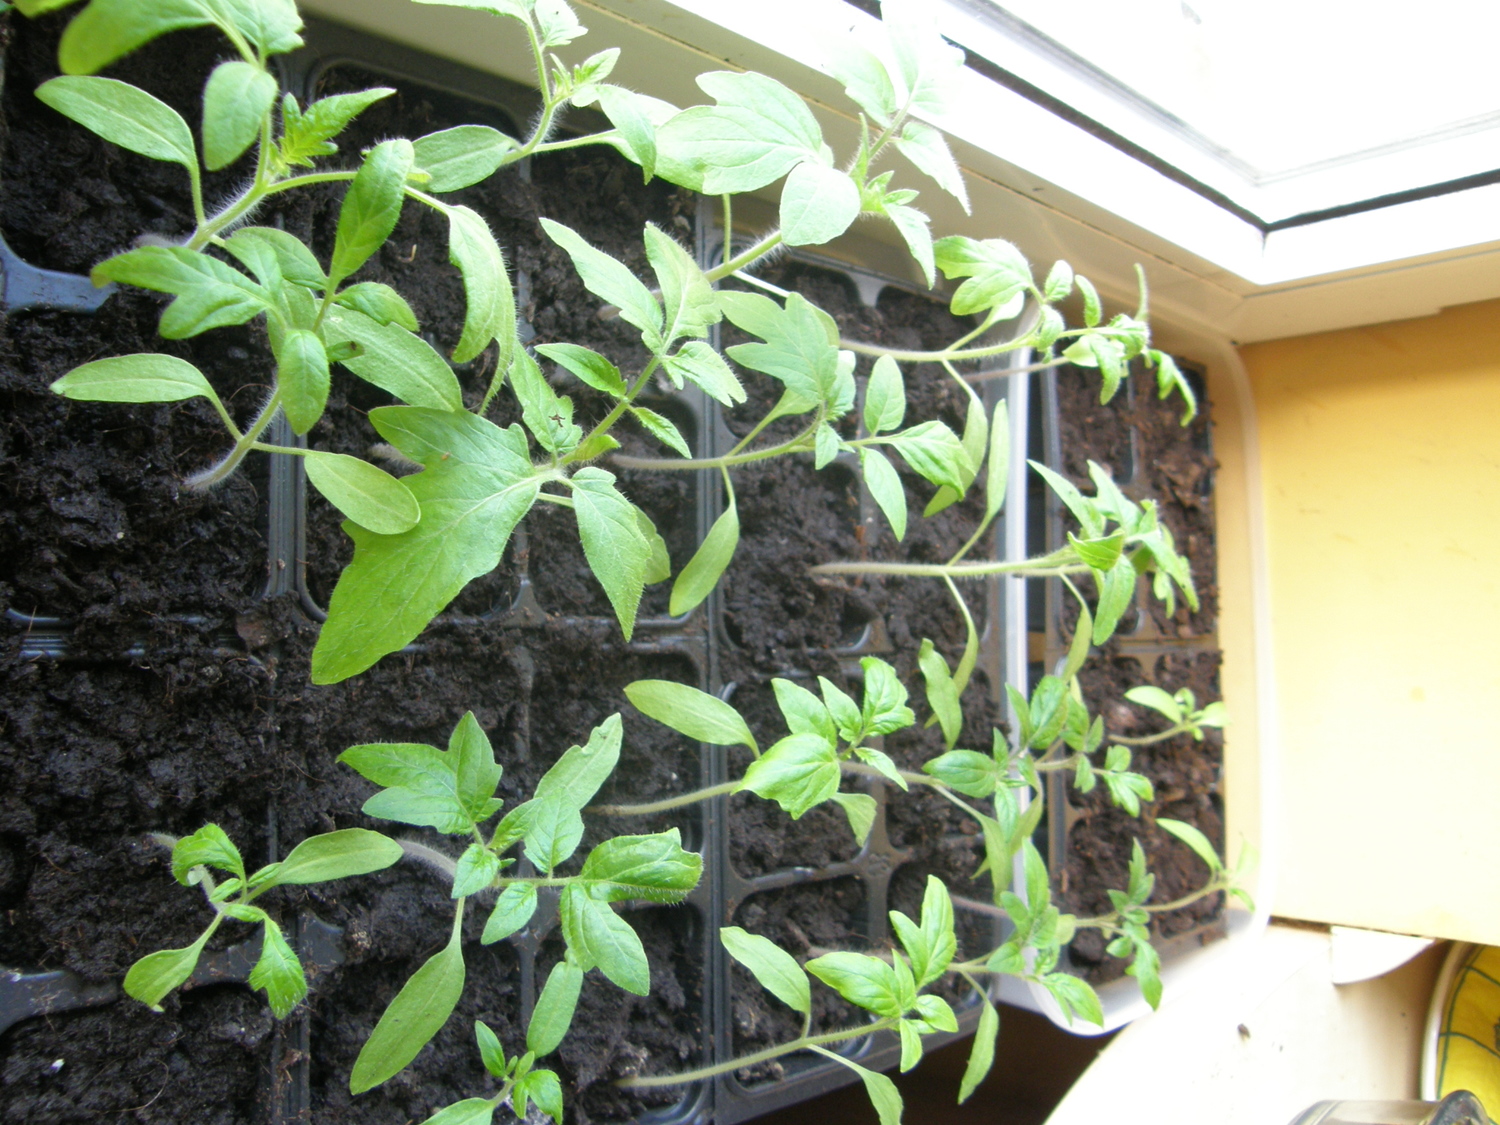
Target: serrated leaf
{"x":864,"y":77}
{"x":1075,"y":997}
{"x":124,"y":115}
{"x":755,"y":134}
{"x":799,"y":350}
{"x":997,"y":272}
{"x":475,"y":871}
{"x":306,"y":133}
{"x":553,"y":1014}
{"x":149,"y":377}
{"x":702,"y":572}
{"x":687,"y":296}
{"x":235,"y":103}
{"x":661,"y":428}
{"x":458,"y":157}
{"x":294,"y":260}
{"x":691,"y":712}
{"x":278,"y":972}
{"x":489,"y":302}
{"x":700,"y":364}
{"x":916,"y":229}
{"x":925,"y":147}
{"x":608,"y":278}
{"x":797,"y":773}
{"x":616,"y":551}
{"x":209,"y":293}
{"x":416,"y":1014}
{"x":882,"y":764}
{"x":935,"y":453}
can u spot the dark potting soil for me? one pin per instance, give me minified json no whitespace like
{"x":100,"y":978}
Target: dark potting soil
{"x":1139,"y":438}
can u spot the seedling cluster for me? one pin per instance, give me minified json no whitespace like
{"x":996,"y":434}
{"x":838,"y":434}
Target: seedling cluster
{"x":420,"y":538}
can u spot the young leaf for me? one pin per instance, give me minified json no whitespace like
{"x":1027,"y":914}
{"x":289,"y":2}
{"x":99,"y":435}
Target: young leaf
{"x":885,"y":397}
{"x":911,"y":1045}
{"x":997,"y":473}
{"x":542,"y":1087}
{"x":686,"y":294}
{"x":367,"y":494}
{"x":336,"y":855}
{"x":775,"y":969}
{"x":608,"y":278}
{"x":416,"y":1014}
{"x":860,"y":809}
{"x":617,"y":552}
{"x":1116,"y":591}
{"x":866,"y":981}
{"x":490,"y":303}
{"x":982,"y":1053}
{"x":797,"y":773}
{"x":662,"y":429}
{"x":602,"y":937}
{"x":458,"y":157}
{"x":305,"y":134}
{"x":925,"y":147}
{"x":799,"y":350}
{"x":421,"y":786}
{"x":278,"y":971}
{"x":818,"y":204}
{"x":150,"y":377}
{"x":883,"y":765}
{"x":884,"y":705}
{"x":700,"y":365}
{"x":475,"y":871}
{"x":1091,"y":307}
{"x":935,"y":453}
{"x":124,"y":115}
{"x":885,"y":488}
{"x":302,"y":374}
{"x":998,"y":274}
{"x":209,"y":846}
{"x":691,"y":712}
{"x":589,"y":366}
{"x":631,"y":115}
{"x":757,"y":133}
{"x":513,"y":909}
{"x":942,"y":693}
{"x":210,"y":293}
{"x":881,"y":1090}
{"x":864,"y":77}
{"x":553,"y":1014}
{"x":1156,"y":699}
{"x":915,"y":229}
{"x":1194,"y":839}
{"x":371,"y":207}
{"x":702,"y":572}
{"x":846,"y":715}
{"x":1084,"y":510}
{"x":156,"y":974}
{"x":294,"y":260}
{"x":556,"y":23}
{"x":653,"y":867}
{"x":1075,"y":997}
{"x":931,"y":945}
{"x":803,"y":711}
{"x":968,"y":771}
{"x":235,"y":102}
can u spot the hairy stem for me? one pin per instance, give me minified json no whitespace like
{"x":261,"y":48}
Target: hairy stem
{"x":759,"y":250}
{"x":802,"y":1043}
{"x":666,"y":803}
{"x":246,"y":442}
{"x":798,"y":444}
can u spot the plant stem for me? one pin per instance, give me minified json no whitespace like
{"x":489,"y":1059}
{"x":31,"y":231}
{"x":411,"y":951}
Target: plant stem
{"x":1148,"y":739}
{"x":800,"y":1044}
{"x":666,"y":803}
{"x":1045,"y":567}
{"x":797,"y":444}
{"x":759,"y":250}
{"x":620,"y":407}
{"x":247,"y":441}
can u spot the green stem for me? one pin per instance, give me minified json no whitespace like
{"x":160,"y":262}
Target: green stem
{"x":666,"y":803}
{"x":247,"y":441}
{"x":1046,"y":567}
{"x":619,"y":408}
{"x":759,"y":250}
{"x":1148,"y":739}
{"x":962,"y":356}
{"x":728,"y":228}
{"x":802,"y":1043}
{"x":798,"y":444}
{"x":572,"y":142}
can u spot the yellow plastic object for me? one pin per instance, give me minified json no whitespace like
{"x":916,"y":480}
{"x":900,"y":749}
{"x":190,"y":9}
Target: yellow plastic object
{"x":1467,"y":1047}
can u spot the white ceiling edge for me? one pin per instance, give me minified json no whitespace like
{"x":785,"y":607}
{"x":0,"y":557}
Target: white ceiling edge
{"x":1033,"y":179}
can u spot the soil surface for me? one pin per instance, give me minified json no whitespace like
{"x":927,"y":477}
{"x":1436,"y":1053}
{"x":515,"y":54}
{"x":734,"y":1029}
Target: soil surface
{"x":184,"y":695}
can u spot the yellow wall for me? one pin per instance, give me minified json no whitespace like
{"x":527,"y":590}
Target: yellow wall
{"x":1380,"y":454}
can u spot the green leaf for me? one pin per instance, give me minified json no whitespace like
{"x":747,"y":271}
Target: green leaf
{"x":1118,"y":588}
{"x":294,"y":259}
{"x":884,"y":705}
{"x":687,"y":296}
{"x":416,"y":1014}
{"x":209,"y":846}
{"x":367,"y":494}
{"x":235,"y":102}
{"x":886,"y":488}
{"x":371,"y":207}
{"x":608,"y":278}
{"x":864,"y":77}
{"x":652,"y":867}
{"x":542,"y":1087}
{"x":302,"y":374}
{"x":799,"y":349}
{"x":866,"y":981}
{"x":1075,"y":997}
{"x":474,"y":764}
{"x":149,"y":377}
{"x":935,"y":453}
{"x":818,"y":204}
{"x":691,"y":712}
{"x":1100,"y":554}
{"x":916,"y":229}
{"x":804,"y":712}
{"x":775,"y":969}
{"x":847,"y":719}
{"x":911,"y":1045}
{"x":605,"y":939}
{"x":278,"y":971}
{"x":883,"y":764}
{"x":881,"y":1090}
{"x":932,"y":945}
{"x":982,"y":1053}
{"x":998,"y":274}
{"x":925,"y":147}
{"x":927,"y":66}
{"x":124,"y":115}
{"x":1156,"y":699}
{"x":470,"y":1111}
{"x":396,"y":584}
{"x":885,"y":397}
{"x":699,"y":364}
{"x":630,"y":114}
{"x":475,"y":871}
{"x":490,"y":303}
{"x":210,"y":293}
{"x":548,"y":415}
{"x":422,"y":786}
{"x":942,"y":693}
{"x":306,"y":134}
{"x":513,"y":909}
{"x":556,"y":23}
{"x":1059,"y":282}
{"x":617,"y":552}
{"x":1084,"y":510}
{"x":660,"y":428}
{"x":1092,"y":310}
{"x":491,"y":1053}
{"x":1194,"y":839}
{"x":553,"y":1014}
{"x":860,"y":809}
{"x":458,"y":157}
{"x":797,"y":773}
{"x":703,"y":570}
{"x":336,"y":855}
{"x":157,"y":974}
{"x":997,"y":476}
{"x":589,"y":366}
{"x":826,"y":445}
{"x":1146,"y":968}
{"x":757,"y":133}
{"x":380,"y":303}
{"x":968,"y":771}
